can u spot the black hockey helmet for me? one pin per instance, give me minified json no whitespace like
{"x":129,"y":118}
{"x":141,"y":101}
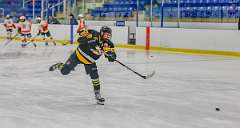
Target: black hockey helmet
{"x":105,"y":29}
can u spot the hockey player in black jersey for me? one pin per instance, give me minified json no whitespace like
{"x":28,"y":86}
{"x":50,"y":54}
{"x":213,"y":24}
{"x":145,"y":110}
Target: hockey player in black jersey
{"x":92,"y":44}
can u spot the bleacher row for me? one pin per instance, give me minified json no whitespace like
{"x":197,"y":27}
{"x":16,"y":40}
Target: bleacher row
{"x":188,"y":8}
{"x":10,"y":5}
{"x":15,"y":7}
{"x":126,"y":8}
{"x":38,"y":8}
{"x":119,"y":8}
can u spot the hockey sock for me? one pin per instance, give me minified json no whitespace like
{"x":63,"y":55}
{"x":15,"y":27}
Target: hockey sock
{"x":96,"y":84}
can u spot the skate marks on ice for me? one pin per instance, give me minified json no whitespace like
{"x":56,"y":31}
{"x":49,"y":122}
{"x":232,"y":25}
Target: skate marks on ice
{"x":14,"y":50}
{"x":185,"y":90}
{"x":180,"y":95}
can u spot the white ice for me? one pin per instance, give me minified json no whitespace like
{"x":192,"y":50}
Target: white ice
{"x":183,"y":93}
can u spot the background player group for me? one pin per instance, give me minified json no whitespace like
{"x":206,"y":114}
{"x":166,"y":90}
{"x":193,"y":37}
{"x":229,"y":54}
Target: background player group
{"x":23,"y":28}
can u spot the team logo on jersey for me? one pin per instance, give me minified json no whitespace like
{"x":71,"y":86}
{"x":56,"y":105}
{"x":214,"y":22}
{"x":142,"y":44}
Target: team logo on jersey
{"x":89,"y":36}
{"x":97,"y":50}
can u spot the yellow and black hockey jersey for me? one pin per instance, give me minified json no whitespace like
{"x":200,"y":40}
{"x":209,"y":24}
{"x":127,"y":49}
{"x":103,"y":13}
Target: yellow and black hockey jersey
{"x":91,"y":47}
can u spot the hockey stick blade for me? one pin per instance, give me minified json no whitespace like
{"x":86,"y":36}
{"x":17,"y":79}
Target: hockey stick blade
{"x":34,"y":44}
{"x":7,"y":42}
{"x":149,"y":75}
{"x":142,"y":76}
{"x":10,"y":40}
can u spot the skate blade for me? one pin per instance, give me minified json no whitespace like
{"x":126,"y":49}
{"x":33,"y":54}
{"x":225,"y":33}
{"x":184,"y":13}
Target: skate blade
{"x":100,"y":103}
{"x":53,"y":67}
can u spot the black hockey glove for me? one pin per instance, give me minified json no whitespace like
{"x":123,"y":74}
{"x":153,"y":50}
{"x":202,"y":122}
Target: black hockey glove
{"x":111,"y":56}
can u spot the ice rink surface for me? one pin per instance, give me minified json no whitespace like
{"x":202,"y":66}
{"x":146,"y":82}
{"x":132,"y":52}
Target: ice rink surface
{"x":183,"y":93}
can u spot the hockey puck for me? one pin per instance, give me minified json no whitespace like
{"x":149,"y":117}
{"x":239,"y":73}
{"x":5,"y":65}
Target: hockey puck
{"x":217,"y":109}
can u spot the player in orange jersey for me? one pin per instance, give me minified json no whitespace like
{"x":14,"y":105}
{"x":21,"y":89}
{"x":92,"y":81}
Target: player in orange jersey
{"x":25,"y":28}
{"x":43,"y":30}
{"x":81,"y":26}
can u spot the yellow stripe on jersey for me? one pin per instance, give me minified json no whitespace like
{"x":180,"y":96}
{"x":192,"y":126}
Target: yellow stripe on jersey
{"x":81,"y":58}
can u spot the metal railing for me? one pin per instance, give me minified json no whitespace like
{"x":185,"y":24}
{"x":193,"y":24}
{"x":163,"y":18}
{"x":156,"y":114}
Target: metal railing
{"x":1,"y":14}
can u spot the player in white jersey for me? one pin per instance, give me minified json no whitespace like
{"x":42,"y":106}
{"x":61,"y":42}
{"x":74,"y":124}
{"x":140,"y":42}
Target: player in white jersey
{"x":9,"y":25}
{"x":24,"y":28}
{"x":43,"y":30}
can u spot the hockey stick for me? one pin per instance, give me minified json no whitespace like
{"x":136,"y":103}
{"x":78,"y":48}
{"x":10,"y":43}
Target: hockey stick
{"x":10,"y":40}
{"x":142,"y":76}
{"x":31,"y":41}
{"x":48,"y":39}
{"x":34,"y":44}
{"x":69,"y":42}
